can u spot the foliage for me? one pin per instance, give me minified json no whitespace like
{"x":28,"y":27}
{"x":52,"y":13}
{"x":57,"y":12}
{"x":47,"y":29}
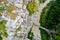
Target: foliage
{"x":0,"y":38}
{"x":3,"y":7}
{"x":51,"y":18}
{"x":56,"y":36}
{"x":32,"y":7}
{"x":42,"y":1}
{"x":5,"y":1}
{"x":19,"y":29}
{"x":0,"y":14}
{"x":3,"y":28}
{"x":44,"y":35}
{"x":30,"y":35}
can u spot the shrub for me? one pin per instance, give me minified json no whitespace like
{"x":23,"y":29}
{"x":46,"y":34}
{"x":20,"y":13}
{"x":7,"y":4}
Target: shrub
{"x":3,"y":7}
{"x":3,"y":28}
{"x":0,"y":38}
{"x":44,"y":35}
{"x":42,"y":1}
{"x":32,"y":7}
{"x":30,"y":35}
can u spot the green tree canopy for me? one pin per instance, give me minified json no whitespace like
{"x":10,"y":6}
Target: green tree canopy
{"x":50,"y":17}
{"x":32,"y":7}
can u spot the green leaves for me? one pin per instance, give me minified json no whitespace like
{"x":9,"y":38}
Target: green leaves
{"x":30,"y":35}
{"x":56,"y":36}
{"x":46,"y":19}
{"x":42,"y":1}
{"x":32,"y":7}
{"x":3,"y":7}
{"x":3,"y":28}
{"x":50,"y":19}
{"x":0,"y":14}
{"x":19,"y":29}
{"x":0,"y":37}
{"x":44,"y":35}
{"x":50,"y":16}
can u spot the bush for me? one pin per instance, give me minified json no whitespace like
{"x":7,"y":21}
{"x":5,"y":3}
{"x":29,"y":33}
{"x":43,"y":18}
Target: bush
{"x":30,"y":35}
{"x":32,"y":7}
{"x":3,"y":7}
{"x":44,"y":35}
{"x":0,"y":38}
{"x":42,"y":1}
{"x":3,"y":28}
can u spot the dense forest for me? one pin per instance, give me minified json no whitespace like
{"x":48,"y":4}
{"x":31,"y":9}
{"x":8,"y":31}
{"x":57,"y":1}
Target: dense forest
{"x":50,"y":19}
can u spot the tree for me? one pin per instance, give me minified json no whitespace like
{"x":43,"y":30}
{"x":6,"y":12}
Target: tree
{"x":50,"y":18}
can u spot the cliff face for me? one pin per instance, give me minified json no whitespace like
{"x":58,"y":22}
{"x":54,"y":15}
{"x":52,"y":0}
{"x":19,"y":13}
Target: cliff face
{"x":19,"y":22}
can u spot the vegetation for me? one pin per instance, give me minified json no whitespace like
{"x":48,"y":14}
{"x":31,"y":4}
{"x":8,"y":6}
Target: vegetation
{"x":32,"y":7}
{"x":3,"y":7}
{"x":3,"y":29}
{"x":44,"y":35}
{"x":30,"y":35}
{"x":0,"y":38}
{"x":42,"y":1}
{"x":50,"y":18}
{"x":44,"y":15}
{"x":5,"y":1}
{"x":56,"y":36}
{"x":0,"y":14}
{"x":19,"y":29}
